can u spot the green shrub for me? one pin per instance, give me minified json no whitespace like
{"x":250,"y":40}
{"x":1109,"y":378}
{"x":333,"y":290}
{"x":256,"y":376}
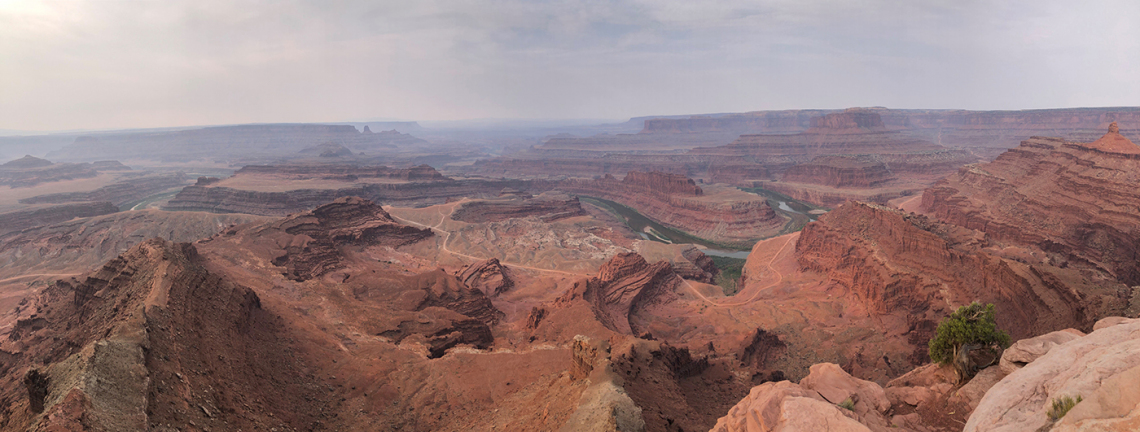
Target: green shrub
{"x":972,"y":324}
{"x":848,"y":404}
{"x":1061,"y":406}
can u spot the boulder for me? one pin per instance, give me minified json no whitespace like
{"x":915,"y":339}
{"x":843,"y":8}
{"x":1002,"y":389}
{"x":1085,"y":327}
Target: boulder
{"x":1110,"y":321}
{"x":1026,"y":350}
{"x":972,"y":392}
{"x":1102,"y":368}
{"x":813,"y":404}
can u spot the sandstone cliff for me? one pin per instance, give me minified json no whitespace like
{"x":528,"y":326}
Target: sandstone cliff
{"x":151,"y":338}
{"x":678,"y":202}
{"x":919,"y":270}
{"x":47,"y":215}
{"x":220,"y":199}
{"x":1102,"y":369}
{"x":312,"y":252}
{"x":120,"y":193}
{"x":623,"y":288}
{"x":547,"y":210}
{"x":1076,"y":201}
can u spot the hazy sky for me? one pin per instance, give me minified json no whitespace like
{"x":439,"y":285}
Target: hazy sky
{"x":106,"y":64}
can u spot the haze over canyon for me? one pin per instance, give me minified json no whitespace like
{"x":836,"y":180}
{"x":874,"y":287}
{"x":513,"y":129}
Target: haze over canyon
{"x":383,"y":216}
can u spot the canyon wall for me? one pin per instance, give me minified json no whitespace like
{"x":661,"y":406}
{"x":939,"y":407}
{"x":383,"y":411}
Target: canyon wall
{"x":206,"y":197}
{"x":1078,"y":200}
{"x":678,"y":202}
{"x":951,"y":128}
{"x":919,"y":270}
{"x":47,"y":215}
{"x":120,"y":193}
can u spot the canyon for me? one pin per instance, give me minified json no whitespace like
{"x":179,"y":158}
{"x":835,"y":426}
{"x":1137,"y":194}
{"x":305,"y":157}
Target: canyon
{"x":327,"y":291}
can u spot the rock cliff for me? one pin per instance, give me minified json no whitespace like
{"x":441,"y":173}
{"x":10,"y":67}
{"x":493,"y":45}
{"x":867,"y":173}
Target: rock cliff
{"x":919,"y":270}
{"x":625,"y":286}
{"x":151,"y":338}
{"x":1076,"y":201}
{"x":120,"y":193}
{"x":547,"y":210}
{"x":488,"y":276}
{"x":312,"y":252}
{"x":47,"y":215}
{"x":1101,"y":369}
{"x":220,"y":199}
{"x":678,"y":202}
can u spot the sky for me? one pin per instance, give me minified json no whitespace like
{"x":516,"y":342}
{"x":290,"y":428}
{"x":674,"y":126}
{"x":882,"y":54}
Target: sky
{"x":131,"y":64}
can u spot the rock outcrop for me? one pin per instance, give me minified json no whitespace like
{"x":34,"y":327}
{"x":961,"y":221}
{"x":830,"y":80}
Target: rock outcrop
{"x":918,"y":269}
{"x":547,"y":210}
{"x":625,"y":286}
{"x":137,"y":343}
{"x":47,"y":215}
{"x":120,"y":193}
{"x":28,"y":161}
{"x":1025,"y":351}
{"x":852,"y":120}
{"x":420,"y":186}
{"x":1076,"y":202}
{"x":312,"y":251}
{"x":813,"y":404}
{"x":1102,"y":369}
{"x":490,"y":277}
{"x":679,"y":203}
{"x":841,"y":171}
{"x":30,"y":171}
{"x":958,"y":128}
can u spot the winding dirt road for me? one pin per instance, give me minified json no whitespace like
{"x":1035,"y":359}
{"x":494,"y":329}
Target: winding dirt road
{"x":779,"y":277}
{"x":758,"y":290}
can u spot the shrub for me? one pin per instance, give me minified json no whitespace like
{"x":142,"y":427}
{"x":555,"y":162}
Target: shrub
{"x":973,"y":325}
{"x":1061,"y":406}
{"x":848,"y":404}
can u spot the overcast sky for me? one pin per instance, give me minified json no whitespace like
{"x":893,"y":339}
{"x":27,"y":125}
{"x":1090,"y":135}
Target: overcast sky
{"x":106,"y":64}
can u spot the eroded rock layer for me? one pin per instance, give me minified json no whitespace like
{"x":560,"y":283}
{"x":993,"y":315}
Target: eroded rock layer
{"x":311,"y":251}
{"x":1077,"y":200}
{"x":920,"y":270}
{"x":128,"y":347}
{"x":547,"y":210}
{"x":677,"y":202}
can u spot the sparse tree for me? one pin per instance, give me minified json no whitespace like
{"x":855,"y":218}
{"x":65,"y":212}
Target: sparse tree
{"x":969,"y":330}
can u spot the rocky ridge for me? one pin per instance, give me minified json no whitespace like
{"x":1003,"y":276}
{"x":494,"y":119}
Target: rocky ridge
{"x":677,"y":202}
{"x":919,"y":269}
{"x":1076,"y":202}
{"x":124,"y":347}
{"x":312,"y":252}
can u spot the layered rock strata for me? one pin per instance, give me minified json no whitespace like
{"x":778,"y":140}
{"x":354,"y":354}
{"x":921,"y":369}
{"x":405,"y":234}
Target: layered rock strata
{"x":30,"y":171}
{"x":678,"y":202}
{"x":312,"y":250}
{"x":127,"y":346}
{"x":624,"y":287}
{"x":120,"y":193}
{"x":1076,"y":200}
{"x":489,"y":276}
{"x":547,"y":210}
{"x":918,"y":270}
{"x":218,"y":199}
{"x":47,"y":215}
